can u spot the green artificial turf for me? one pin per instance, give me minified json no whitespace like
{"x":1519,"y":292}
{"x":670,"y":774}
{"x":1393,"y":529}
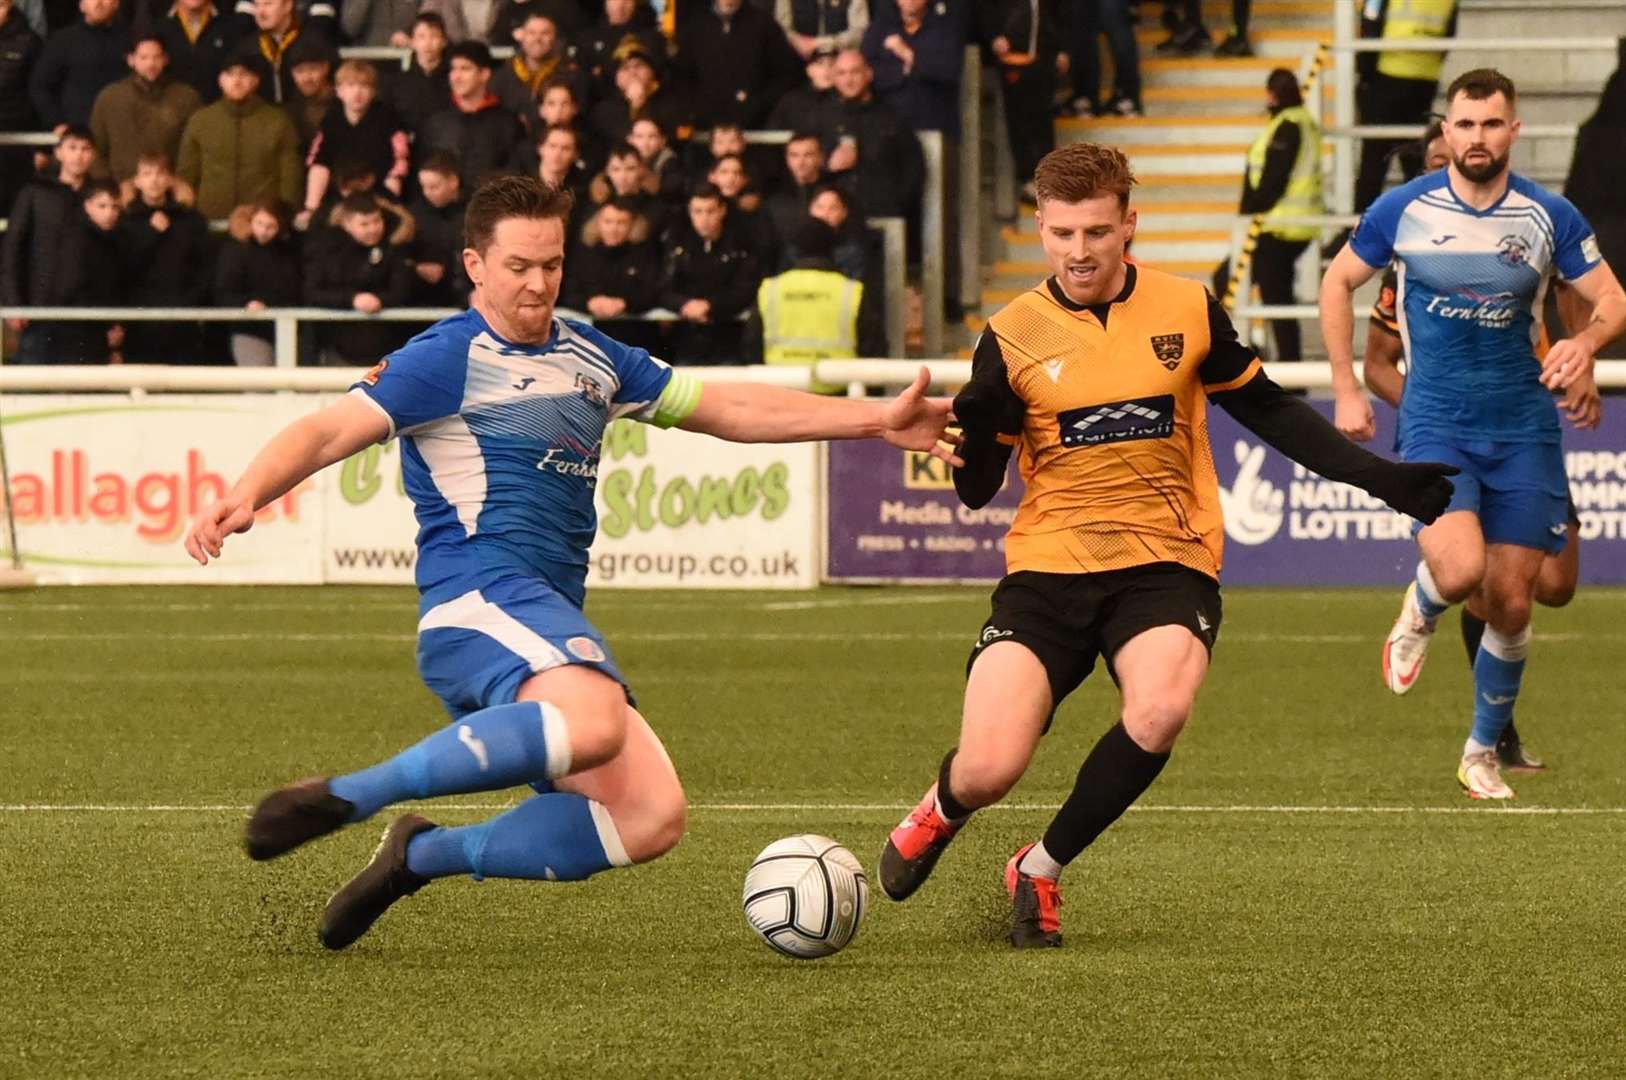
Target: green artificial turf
{"x":1304,"y":893}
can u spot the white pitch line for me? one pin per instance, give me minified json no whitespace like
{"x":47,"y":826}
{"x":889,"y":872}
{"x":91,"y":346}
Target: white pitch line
{"x":706,"y":635}
{"x":758,"y":808}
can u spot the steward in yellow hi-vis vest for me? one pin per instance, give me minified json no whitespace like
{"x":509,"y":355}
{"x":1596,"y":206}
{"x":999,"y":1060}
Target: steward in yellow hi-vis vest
{"x":1099,"y":377}
{"x":1411,"y":20}
{"x":813,"y":312}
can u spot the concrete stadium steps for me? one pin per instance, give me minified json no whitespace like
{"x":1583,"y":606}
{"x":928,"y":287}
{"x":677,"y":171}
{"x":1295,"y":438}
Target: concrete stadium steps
{"x":1188,"y":152}
{"x":1285,"y":45}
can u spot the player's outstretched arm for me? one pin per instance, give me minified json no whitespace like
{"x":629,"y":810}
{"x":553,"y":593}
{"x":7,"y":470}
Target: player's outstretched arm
{"x":1573,"y":357}
{"x":757,"y":413}
{"x":1290,"y":425}
{"x":305,"y":446}
{"x":1352,"y":411}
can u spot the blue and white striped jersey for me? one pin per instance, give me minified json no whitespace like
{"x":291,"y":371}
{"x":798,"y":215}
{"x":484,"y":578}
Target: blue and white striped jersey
{"x":1470,"y":293}
{"x":500,"y":444}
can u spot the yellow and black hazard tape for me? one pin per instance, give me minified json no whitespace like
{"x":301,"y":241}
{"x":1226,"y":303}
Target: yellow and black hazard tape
{"x":1244,"y":259}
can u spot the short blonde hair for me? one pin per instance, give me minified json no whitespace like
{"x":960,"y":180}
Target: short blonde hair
{"x":356,"y":71}
{"x":1081,"y":171}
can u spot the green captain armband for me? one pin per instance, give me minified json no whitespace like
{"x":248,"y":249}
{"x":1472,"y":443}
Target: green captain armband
{"x":677,"y":401}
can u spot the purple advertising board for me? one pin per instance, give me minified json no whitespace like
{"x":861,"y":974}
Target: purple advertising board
{"x":893,"y":516}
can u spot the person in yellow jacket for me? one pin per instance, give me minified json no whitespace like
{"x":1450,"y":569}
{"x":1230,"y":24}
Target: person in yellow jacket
{"x":814,"y":312}
{"x":1283,"y":181}
{"x":1397,"y":87}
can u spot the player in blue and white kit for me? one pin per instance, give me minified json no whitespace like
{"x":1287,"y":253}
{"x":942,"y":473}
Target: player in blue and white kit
{"x":1475,"y":245}
{"x":500,"y":411}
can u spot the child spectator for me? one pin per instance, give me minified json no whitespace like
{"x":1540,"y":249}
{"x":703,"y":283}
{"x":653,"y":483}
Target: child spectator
{"x":258,"y":269}
{"x":745,"y":217}
{"x":616,"y":273}
{"x":33,"y":253}
{"x":710,"y":280}
{"x":168,"y":246}
{"x":362,"y":274}
{"x":654,"y":146}
{"x":625,"y":176}
{"x":485,"y":136}
{"x":94,"y":260}
{"x":361,"y":128}
{"x":421,"y":91}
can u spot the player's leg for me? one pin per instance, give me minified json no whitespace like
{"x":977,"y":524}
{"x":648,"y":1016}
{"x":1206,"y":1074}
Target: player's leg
{"x":1158,"y":625}
{"x":1509,"y":592}
{"x":627,"y":810}
{"x":1036,"y":647}
{"x":535,"y":696}
{"x":1452,"y":564}
{"x":1007,"y":706}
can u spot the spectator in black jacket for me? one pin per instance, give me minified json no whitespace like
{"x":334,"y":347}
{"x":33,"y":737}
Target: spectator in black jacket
{"x":566,"y":15}
{"x":616,"y":272}
{"x":281,"y":34}
{"x":745,"y":215}
{"x":198,"y":38}
{"x":808,"y":105}
{"x":559,"y":163}
{"x":559,"y":106}
{"x":19,"y":51}
{"x":1026,"y":43}
{"x":814,"y":25}
{"x":310,"y":63}
{"x":358,"y":127}
{"x":260,"y":268}
{"x":786,"y":204}
{"x":626,"y":177}
{"x":437,"y":248}
{"x":94,"y":264}
{"x":33,"y":255}
{"x":77,"y":63}
{"x":869,"y":145}
{"x":421,"y":91}
{"x":858,"y":252}
{"x":168,"y":246}
{"x":710,"y":280}
{"x":594,"y":48}
{"x":539,"y":57}
{"x":917,"y":59}
{"x":485,"y":136}
{"x":737,"y":62}
{"x":640,"y":92}
{"x":366,"y":275}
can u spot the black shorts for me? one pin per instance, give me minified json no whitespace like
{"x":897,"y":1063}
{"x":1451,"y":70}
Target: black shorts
{"x":1068,"y":620}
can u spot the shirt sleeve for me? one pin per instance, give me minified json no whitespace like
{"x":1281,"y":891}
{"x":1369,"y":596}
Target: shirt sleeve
{"x":641,"y":379}
{"x":1385,"y":315}
{"x":418,"y":383}
{"x":1374,"y":239}
{"x":991,"y":414}
{"x":1575,"y":246}
{"x":1229,"y":363}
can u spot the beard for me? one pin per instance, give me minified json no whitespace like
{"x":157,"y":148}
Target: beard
{"x":1483,"y":171}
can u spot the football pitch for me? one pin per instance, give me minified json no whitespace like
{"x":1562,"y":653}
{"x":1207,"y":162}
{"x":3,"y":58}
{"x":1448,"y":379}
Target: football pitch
{"x":1304,"y":892}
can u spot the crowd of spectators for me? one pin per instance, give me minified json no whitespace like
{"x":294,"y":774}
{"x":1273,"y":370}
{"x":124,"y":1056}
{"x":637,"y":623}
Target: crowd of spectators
{"x":340,"y":183}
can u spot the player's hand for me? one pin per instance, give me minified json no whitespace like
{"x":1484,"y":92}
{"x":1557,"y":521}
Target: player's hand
{"x":1417,"y":488}
{"x":1582,"y":403}
{"x":1352,"y":415}
{"x":1565,"y":362}
{"x":208,"y":531}
{"x":913,"y":421}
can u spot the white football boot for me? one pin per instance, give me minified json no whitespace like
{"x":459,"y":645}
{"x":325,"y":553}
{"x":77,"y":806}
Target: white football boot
{"x":1481,"y":778}
{"x":1407,"y":645}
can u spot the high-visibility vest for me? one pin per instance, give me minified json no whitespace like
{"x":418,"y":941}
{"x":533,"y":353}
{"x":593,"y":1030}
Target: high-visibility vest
{"x":1410,"y":19}
{"x":807,"y":316}
{"x":1303,"y":195}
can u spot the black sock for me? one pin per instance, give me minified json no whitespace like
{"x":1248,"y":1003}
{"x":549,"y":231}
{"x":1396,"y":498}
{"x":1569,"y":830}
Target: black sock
{"x":1473,"y":628}
{"x":1510,"y":736}
{"x":1240,"y":9}
{"x":1112,"y":777}
{"x":945,"y":798}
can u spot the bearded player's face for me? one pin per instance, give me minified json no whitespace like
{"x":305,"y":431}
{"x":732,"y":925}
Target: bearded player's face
{"x":1085,"y":243}
{"x":1480,"y":135}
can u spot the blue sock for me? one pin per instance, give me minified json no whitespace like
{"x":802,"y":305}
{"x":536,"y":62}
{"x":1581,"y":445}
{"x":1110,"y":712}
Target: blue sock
{"x":557,"y":837}
{"x":1497,"y":671}
{"x":494,"y":748}
{"x":1429,"y":601}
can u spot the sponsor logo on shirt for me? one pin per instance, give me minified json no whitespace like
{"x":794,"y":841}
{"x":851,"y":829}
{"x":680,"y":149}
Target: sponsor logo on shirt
{"x":1118,"y":421}
{"x":1492,"y":312}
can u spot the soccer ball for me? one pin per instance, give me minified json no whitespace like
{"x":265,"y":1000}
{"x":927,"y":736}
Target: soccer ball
{"x":805,"y":896}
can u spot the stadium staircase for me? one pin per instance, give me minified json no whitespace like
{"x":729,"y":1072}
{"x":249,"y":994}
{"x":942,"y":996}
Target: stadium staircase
{"x":1187,"y":151}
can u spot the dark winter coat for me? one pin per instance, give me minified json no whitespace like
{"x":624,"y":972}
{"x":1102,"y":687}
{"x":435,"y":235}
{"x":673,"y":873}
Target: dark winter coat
{"x":32,"y":254}
{"x":77,"y":64}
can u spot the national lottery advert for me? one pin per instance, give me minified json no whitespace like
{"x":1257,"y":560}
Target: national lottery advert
{"x":893,"y":516}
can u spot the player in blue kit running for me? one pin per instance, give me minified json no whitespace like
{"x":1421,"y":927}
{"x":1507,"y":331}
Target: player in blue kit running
{"x":1475,"y":245}
{"x":500,"y":411}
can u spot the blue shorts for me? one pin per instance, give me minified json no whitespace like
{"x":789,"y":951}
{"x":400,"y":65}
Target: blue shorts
{"x":476,"y":649}
{"x":1519,"y":491}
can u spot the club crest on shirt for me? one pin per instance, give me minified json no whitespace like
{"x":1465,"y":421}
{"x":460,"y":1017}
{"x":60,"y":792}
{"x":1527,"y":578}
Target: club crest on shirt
{"x":585,"y":648}
{"x":1169,"y":348}
{"x":1513,"y":249}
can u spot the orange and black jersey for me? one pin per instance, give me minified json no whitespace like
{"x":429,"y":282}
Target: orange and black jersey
{"x":1107,"y":405}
